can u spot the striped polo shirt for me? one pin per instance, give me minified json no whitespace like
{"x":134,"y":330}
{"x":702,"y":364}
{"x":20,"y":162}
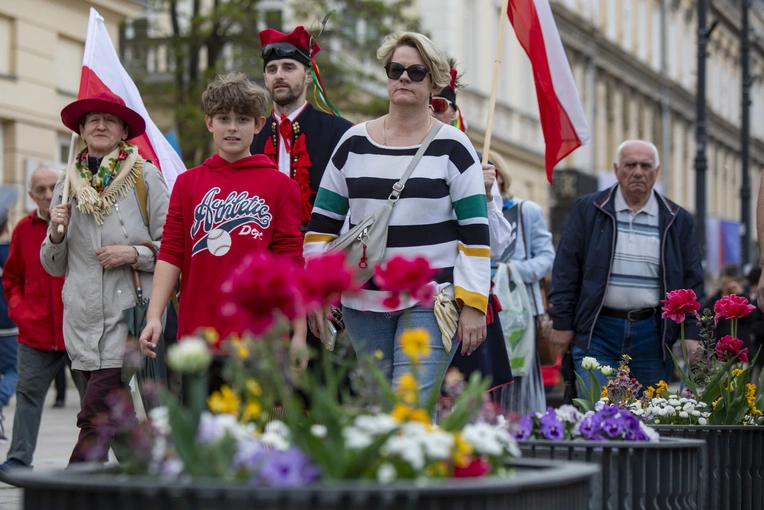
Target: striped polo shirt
{"x":635,"y":274}
{"x":442,"y":213}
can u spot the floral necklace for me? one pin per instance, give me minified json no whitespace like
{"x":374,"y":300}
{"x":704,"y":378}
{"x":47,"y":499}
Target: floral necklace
{"x":109,"y":168}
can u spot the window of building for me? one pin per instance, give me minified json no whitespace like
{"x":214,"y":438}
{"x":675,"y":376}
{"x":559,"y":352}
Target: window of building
{"x":62,"y":150}
{"x":611,"y":28}
{"x":628,"y":25}
{"x":68,"y":65}
{"x":643,"y":30}
{"x":655,"y":37}
{"x":274,"y":19}
{"x":5,"y":46}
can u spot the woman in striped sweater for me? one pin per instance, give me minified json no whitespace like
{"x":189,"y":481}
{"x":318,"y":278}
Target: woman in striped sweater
{"x":441,"y":214}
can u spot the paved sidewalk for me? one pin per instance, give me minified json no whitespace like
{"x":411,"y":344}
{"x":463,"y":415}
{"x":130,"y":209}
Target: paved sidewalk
{"x":58,"y":434}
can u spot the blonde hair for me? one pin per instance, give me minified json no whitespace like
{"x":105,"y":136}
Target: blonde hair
{"x":501,"y":167}
{"x":434,"y":59}
{"x":235,"y":92}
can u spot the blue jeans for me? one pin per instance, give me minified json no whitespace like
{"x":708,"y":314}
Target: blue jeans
{"x":380,"y":331}
{"x":641,"y":340}
{"x":8,"y":357}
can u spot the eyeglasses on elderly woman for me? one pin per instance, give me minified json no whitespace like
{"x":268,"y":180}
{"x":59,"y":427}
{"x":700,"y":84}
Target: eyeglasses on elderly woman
{"x":416,"y":72}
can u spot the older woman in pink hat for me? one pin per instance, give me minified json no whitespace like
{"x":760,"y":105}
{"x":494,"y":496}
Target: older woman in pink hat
{"x":105,"y":237}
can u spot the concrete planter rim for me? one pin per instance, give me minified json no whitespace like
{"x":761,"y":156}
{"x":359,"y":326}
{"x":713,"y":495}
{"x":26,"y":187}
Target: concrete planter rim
{"x":532,"y":473}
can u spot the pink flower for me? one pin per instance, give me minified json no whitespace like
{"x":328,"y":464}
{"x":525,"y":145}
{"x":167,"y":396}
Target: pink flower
{"x":477,"y":468}
{"x":728,"y":347}
{"x":261,"y":287}
{"x":401,"y":275}
{"x":324,"y":279}
{"x":679,"y":303}
{"x":732,"y":307}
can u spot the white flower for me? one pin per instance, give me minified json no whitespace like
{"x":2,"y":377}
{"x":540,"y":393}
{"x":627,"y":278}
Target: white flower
{"x":386,"y":473}
{"x":650,"y":432}
{"x":483,"y":438}
{"x":696,"y":413}
{"x":683,"y":414}
{"x":438,"y":445}
{"x":702,"y":421}
{"x":375,"y":425}
{"x":567,"y":413}
{"x":190,"y":355}
{"x":689,"y":407}
{"x":276,"y":435}
{"x":160,"y":419}
{"x":355,"y":438}
{"x":408,"y":449}
{"x":590,"y":363}
{"x":607,"y":370}
{"x":318,"y":430}
{"x":212,"y":428}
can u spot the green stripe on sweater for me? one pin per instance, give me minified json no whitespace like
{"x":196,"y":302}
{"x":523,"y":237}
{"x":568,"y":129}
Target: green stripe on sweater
{"x":470,"y":207}
{"x":331,"y":201}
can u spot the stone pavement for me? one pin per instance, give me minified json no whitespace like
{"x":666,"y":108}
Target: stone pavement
{"x":58,"y":434}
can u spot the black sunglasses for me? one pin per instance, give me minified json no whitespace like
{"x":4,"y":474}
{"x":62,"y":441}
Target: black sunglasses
{"x":282,"y":50}
{"x":416,"y":72}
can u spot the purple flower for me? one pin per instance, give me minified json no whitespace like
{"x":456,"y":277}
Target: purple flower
{"x":290,"y":468}
{"x":524,"y":428}
{"x":249,"y":454}
{"x":613,"y":426}
{"x":551,"y":427}
{"x":590,"y":428}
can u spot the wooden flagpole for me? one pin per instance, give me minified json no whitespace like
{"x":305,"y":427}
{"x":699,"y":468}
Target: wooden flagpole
{"x":495,"y":85}
{"x":72,"y":152}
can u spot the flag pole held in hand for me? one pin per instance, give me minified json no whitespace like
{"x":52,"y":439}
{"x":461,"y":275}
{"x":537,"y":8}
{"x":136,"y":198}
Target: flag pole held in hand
{"x":495,"y":85}
{"x":65,"y":198}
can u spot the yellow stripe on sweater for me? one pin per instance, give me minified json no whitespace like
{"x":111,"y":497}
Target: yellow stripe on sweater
{"x":474,"y":299}
{"x":318,"y":238}
{"x":475,"y":252}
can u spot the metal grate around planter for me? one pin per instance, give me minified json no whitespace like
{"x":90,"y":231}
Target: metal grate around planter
{"x":731,"y":466}
{"x":634,"y":475}
{"x":535,"y":485}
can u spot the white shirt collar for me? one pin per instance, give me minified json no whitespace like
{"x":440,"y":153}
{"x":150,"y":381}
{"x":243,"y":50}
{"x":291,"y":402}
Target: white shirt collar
{"x":650,"y":208}
{"x":292,"y":115}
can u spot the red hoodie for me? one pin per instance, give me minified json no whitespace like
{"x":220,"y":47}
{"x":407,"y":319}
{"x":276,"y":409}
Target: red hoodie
{"x":219,"y":212}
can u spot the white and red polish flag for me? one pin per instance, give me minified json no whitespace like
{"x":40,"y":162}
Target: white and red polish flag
{"x":562,"y":116}
{"x":103,"y":72}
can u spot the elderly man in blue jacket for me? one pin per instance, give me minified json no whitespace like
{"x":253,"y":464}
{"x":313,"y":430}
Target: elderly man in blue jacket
{"x":622,"y":250}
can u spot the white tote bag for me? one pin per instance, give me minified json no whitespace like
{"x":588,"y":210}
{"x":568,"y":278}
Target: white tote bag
{"x":516,"y":319}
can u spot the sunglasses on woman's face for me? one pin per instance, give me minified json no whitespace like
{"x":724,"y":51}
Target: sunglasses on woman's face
{"x":440,"y":104}
{"x":416,"y":72}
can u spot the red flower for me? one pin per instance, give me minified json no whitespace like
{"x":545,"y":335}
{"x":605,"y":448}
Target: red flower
{"x":732,"y":307}
{"x":728,"y":347}
{"x":477,"y":468}
{"x":261,"y":287}
{"x":401,"y":275}
{"x":679,"y":303}
{"x":324,"y":279}
{"x":122,"y":155}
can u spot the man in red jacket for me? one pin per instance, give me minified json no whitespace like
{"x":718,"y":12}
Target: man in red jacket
{"x":34,"y":304}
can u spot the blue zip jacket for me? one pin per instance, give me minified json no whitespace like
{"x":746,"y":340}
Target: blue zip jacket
{"x":585,"y":254}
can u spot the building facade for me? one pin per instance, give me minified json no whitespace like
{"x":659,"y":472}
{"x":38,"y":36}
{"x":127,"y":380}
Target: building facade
{"x":634,"y":63}
{"x":41,"y":47}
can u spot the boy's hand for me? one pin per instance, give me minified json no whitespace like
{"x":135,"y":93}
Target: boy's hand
{"x":150,"y":337}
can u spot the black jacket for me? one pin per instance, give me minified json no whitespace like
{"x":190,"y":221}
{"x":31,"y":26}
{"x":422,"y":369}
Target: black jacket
{"x":585,"y":253}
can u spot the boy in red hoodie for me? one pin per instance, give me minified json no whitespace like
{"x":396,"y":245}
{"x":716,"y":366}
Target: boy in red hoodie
{"x":232,"y":205}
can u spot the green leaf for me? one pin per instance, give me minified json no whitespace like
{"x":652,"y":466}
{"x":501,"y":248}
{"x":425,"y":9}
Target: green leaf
{"x":582,"y":388}
{"x":583,"y":405}
{"x":716,"y":379}
{"x":595,"y":390}
{"x":688,"y":381}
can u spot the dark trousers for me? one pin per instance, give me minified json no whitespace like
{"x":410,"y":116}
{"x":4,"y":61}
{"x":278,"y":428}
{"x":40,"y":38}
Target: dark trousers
{"x":95,"y":420}
{"x":61,"y":380}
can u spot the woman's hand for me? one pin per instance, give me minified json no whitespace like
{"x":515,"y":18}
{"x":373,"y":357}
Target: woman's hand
{"x":317,"y":323}
{"x":472,"y":329}
{"x":489,"y":176}
{"x":59,"y":215}
{"x":150,"y":336}
{"x":298,"y":351}
{"x":114,"y":256}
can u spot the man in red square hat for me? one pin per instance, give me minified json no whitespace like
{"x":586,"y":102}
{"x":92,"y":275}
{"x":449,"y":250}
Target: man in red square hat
{"x":299,"y":138}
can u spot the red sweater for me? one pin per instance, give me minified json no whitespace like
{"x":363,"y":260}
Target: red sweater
{"x":34,"y":297}
{"x":219,"y":212}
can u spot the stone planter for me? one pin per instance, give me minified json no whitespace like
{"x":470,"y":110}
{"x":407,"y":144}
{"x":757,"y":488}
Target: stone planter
{"x":634,"y":475}
{"x":535,"y":485}
{"x":732,"y":464}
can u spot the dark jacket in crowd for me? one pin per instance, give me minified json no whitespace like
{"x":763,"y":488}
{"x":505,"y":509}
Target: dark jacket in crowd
{"x":585,"y":253}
